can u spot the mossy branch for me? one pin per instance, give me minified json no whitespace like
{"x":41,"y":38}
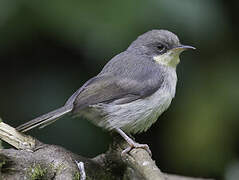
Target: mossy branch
{"x":34,"y":160}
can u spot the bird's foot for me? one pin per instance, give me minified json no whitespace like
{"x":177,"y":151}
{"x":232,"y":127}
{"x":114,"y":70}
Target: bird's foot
{"x":132,"y":143}
{"x":136,"y":145}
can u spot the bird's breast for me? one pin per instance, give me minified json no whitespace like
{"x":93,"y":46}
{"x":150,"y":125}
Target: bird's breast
{"x":138,"y":115}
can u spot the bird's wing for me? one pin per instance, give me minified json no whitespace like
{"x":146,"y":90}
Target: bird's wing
{"x":124,"y":78}
{"x":106,"y":89}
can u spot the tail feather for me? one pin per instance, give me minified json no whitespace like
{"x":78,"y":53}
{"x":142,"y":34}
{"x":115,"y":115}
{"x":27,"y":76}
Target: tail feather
{"x":45,"y":119}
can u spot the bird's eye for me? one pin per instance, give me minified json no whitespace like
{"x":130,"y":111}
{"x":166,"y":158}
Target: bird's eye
{"x":161,"y":48}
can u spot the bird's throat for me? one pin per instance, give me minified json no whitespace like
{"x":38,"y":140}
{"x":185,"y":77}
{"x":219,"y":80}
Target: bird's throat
{"x":170,"y":58}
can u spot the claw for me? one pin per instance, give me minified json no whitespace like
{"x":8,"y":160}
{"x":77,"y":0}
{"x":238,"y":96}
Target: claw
{"x":132,"y":143}
{"x":126,"y":150}
{"x":136,"y":145}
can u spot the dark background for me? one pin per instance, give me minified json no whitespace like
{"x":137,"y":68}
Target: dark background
{"x":48,"y":49}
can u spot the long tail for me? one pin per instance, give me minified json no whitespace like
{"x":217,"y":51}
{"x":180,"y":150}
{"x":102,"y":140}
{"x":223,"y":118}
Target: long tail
{"x":45,"y":119}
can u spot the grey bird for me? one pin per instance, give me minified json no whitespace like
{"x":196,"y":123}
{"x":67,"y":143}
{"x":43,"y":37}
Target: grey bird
{"x":133,"y":89}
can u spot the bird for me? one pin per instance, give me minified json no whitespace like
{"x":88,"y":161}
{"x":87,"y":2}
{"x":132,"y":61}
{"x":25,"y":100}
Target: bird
{"x":131,"y":91}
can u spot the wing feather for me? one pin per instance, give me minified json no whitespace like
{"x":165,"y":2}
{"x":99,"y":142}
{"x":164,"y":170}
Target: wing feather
{"x":120,"y":81}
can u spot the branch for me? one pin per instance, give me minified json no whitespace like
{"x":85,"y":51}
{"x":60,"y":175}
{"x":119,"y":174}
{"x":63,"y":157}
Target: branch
{"x":15,"y":138}
{"x":34,"y":160}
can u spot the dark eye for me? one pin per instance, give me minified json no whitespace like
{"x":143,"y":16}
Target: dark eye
{"x":161,"y":48}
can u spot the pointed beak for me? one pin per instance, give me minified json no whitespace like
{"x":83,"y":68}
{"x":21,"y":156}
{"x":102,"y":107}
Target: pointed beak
{"x":184,"y":47}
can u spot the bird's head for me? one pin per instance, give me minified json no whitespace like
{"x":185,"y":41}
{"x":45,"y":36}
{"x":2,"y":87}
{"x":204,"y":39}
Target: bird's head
{"x":162,"y":46}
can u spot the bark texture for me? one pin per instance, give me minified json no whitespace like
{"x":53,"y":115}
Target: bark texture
{"x":35,"y":160}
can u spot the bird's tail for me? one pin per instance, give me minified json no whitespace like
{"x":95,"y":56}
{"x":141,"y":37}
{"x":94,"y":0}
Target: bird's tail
{"x":45,"y":119}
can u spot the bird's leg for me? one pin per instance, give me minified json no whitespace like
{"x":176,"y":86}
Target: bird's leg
{"x":132,"y":143}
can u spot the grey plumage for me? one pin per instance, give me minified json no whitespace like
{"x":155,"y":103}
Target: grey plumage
{"x":130,"y":92}
{"x":127,"y":81}
{"x":45,"y":119}
{"x":134,"y":112}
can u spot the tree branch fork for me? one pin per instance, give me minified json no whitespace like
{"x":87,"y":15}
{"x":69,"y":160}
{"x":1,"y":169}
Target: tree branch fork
{"x":34,"y":160}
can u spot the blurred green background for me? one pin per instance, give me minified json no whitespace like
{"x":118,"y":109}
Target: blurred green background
{"x":48,"y":49}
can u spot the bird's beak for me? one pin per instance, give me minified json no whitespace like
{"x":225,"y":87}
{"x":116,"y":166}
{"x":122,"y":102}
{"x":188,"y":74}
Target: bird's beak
{"x":183,"y":47}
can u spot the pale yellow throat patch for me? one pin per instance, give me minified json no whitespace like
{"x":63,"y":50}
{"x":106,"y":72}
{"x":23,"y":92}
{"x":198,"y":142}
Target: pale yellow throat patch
{"x":170,"y":58}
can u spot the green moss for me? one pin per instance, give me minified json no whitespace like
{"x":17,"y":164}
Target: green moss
{"x":36,"y":172}
{"x":76,"y":176}
{"x":59,"y":168}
